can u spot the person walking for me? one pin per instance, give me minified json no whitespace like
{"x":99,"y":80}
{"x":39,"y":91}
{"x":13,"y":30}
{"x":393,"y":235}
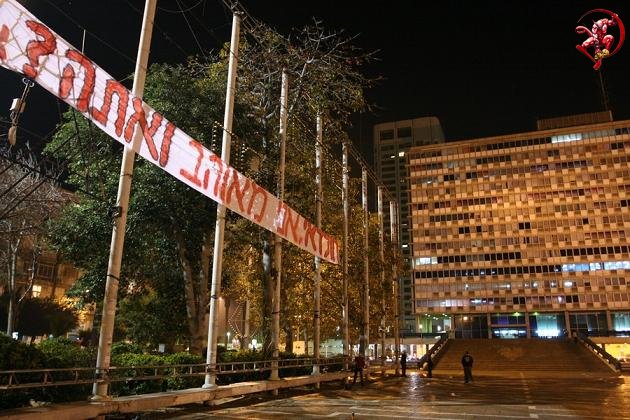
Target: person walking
{"x":359,"y":365}
{"x":467,"y":364}
{"x":403,"y":363}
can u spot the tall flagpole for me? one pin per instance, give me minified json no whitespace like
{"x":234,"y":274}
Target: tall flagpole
{"x":103,"y":357}
{"x":217,"y":257}
{"x":346,"y":216}
{"x":318,"y":220}
{"x":381,"y":252}
{"x":393,"y":223}
{"x":277,"y":248}
{"x":366,"y":265}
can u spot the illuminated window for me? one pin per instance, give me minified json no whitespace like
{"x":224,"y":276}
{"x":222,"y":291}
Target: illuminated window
{"x":37,"y":290}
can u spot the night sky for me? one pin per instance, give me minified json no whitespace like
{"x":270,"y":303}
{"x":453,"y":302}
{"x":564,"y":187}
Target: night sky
{"x":483,"y":68}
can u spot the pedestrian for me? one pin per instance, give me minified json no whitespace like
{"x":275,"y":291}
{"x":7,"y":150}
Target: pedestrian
{"x":429,"y":367}
{"x":403,"y":363}
{"x":359,"y":364}
{"x":467,"y":364}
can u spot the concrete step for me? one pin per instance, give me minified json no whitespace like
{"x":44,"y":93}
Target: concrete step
{"x":559,"y":355}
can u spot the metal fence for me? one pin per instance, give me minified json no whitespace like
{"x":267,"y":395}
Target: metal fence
{"x":40,"y":378}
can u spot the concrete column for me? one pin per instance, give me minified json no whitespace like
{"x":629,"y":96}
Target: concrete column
{"x":528,"y":330}
{"x":567,"y":323}
{"x":489,"y":321}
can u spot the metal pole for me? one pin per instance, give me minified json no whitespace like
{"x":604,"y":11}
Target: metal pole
{"x":217,"y":256}
{"x":393,"y":223}
{"x":99,"y":389}
{"x":346,"y":216}
{"x":366,"y":286}
{"x":277,"y":251}
{"x":318,"y":221}
{"x":381,"y":234}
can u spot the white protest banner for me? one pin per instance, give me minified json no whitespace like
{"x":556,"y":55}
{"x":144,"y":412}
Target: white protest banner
{"x":29,"y":47}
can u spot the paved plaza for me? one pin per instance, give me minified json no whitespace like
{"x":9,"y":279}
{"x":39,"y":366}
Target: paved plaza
{"x":509,"y":396}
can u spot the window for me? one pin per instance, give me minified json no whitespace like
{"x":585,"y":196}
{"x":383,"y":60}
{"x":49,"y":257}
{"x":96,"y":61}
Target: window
{"x":45,"y":270}
{"x":386,"y":135}
{"x":404,"y":132}
{"x":37,"y":290}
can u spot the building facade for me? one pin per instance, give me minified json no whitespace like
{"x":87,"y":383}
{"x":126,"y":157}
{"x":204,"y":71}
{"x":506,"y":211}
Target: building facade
{"x":523,"y":235}
{"x":392,"y":141}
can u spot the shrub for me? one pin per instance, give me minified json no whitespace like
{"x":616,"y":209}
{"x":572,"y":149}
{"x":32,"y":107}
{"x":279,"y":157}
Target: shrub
{"x":293,"y":371}
{"x":122,"y":347}
{"x":179,"y":382}
{"x":17,"y":355}
{"x":64,"y":353}
{"x":241,"y":356}
{"x":139,"y":365}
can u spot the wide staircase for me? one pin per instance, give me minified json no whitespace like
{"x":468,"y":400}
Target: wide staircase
{"x":544,"y":356}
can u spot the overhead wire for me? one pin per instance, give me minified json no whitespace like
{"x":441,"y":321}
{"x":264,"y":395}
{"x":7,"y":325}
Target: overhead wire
{"x":352,"y":149}
{"x":165,"y":34}
{"x":164,"y":9}
{"x":191,"y":30}
{"x":71,"y":19}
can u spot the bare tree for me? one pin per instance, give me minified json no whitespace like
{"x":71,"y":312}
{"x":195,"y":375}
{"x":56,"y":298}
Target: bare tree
{"x":27,"y":200}
{"x":324,"y":68}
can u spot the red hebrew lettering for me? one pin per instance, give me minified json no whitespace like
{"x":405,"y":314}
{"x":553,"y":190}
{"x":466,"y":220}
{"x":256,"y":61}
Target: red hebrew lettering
{"x":291,"y":221}
{"x":112,"y":87}
{"x":330,"y":247}
{"x":166,"y":144}
{"x":256,"y":190}
{"x":36,"y":49}
{"x":224,"y":182}
{"x":309,"y":234}
{"x":4,"y":38}
{"x":194,"y":177}
{"x":321,"y":239}
{"x":206,"y":178}
{"x":65,"y":85}
{"x":139,"y":117}
{"x":234,"y":187}
{"x":218,"y":164}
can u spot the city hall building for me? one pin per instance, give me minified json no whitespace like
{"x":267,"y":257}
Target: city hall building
{"x":524,"y":235}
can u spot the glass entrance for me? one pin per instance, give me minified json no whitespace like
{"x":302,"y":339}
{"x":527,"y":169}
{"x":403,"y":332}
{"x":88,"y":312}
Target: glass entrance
{"x":509,"y":332}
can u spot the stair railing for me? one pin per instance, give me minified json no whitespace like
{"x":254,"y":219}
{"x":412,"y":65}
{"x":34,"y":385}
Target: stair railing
{"x":583,"y":338}
{"x":435,"y":352}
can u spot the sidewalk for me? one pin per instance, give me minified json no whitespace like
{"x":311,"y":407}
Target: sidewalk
{"x":137,"y":403}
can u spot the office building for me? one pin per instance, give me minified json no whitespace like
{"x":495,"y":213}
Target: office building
{"x":524,"y":235}
{"x":392,"y":141}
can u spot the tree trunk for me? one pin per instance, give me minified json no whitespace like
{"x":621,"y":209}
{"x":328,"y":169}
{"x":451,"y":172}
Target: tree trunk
{"x":195,"y":291}
{"x":13,"y":250}
{"x":245,"y":340}
{"x":55,"y":278}
{"x":286,"y":325}
{"x":288,"y":331}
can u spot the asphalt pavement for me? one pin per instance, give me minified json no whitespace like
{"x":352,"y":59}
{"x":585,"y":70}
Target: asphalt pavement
{"x":510,"y":395}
